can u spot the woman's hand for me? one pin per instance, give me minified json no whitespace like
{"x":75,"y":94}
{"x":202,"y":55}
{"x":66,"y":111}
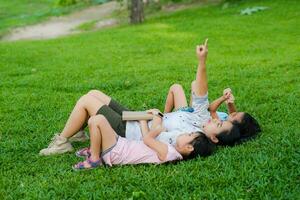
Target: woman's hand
{"x":156,"y":121}
{"x":155,"y":112}
{"x":228,"y":96}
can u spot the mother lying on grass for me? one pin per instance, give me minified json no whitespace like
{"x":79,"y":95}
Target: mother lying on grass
{"x":109,"y":116}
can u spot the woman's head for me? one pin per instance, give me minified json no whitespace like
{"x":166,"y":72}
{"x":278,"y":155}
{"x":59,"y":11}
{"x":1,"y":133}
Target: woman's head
{"x":243,"y":127}
{"x":236,"y":116}
{"x":191,"y":145}
{"x":229,"y":137}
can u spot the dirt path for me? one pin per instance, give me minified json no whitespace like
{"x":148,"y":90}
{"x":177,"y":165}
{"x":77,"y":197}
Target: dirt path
{"x":65,"y":25}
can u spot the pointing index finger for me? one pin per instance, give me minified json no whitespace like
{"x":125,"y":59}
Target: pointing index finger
{"x":205,"y":43}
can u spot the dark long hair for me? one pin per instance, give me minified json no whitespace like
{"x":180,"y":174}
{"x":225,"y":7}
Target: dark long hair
{"x":249,"y":127}
{"x":202,"y":147}
{"x":241,"y":132}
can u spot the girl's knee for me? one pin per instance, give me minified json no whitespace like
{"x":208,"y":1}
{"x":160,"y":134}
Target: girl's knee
{"x":176,"y":87}
{"x":193,"y":84}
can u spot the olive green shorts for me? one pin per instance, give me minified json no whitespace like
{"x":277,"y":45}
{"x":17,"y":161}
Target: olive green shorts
{"x":113,"y":114}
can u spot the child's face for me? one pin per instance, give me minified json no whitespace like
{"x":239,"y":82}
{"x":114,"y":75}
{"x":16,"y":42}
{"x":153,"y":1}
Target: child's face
{"x":214,"y":127}
{"x":185,"y":139}
{"x":236,"y":116}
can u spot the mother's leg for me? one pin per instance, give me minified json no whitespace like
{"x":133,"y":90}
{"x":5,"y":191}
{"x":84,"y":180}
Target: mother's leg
{"x":176,"y":98}
{"x":107,"y":100}
{"x":85,"y":107}
{"x":104,"y":98}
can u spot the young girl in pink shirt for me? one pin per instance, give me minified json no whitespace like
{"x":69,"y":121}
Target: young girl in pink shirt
{"x":106,"y":147}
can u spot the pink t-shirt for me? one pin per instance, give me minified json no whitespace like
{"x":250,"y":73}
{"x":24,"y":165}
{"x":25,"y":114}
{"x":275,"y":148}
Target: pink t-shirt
{"x":135,"y":152}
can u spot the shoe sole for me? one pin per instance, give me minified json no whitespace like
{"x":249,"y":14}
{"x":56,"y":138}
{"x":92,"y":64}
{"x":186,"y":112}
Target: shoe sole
{"x":54,"y":153}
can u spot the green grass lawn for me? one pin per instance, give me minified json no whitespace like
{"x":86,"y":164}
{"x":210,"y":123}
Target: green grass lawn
{"x":258,"y":56}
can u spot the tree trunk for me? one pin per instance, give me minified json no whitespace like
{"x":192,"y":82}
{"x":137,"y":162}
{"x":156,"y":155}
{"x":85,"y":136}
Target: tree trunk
{"x":136,"y":12}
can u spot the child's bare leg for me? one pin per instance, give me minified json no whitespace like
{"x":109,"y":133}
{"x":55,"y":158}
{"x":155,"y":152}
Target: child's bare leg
{"x":175,"y":99}
{"x":95,"y":138}
{"x":100,"y":96}
{"x":86,"y":106}
{"x":102,"y":135}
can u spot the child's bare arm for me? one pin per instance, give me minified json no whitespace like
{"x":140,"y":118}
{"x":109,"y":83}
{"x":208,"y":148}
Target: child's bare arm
{"x":160,"y":148}
{"x":157,"y":118}
{"x":200,"y":87}
{"x":213,"y":107}
{"x":144,"y":127}
{"x":157,"y":121}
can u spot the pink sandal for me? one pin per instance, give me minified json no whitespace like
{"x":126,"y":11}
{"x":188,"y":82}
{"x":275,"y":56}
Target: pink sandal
{"x":80,"y":166}
{"x":85,"y":152}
